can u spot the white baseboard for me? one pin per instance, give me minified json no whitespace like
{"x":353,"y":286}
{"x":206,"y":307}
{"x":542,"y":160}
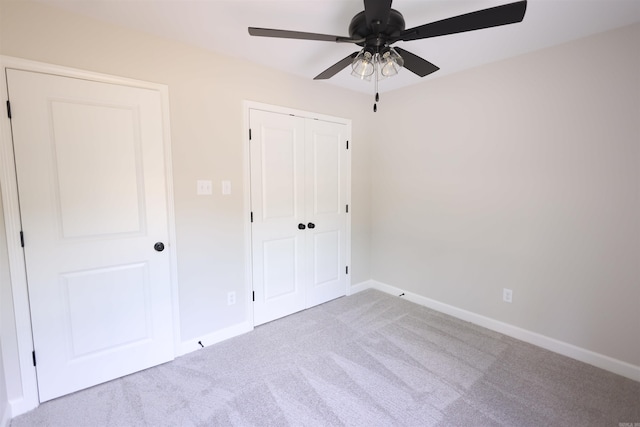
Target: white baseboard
{"x":21,"y":406}
{"x":587,"y":356}
{"x":5,"y":416}
{"x":214,"y":338}
{"x":358,"y":287}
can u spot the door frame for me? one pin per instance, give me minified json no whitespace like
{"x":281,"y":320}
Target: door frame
{"x":24,"y":382}
{"x":253,"y":105}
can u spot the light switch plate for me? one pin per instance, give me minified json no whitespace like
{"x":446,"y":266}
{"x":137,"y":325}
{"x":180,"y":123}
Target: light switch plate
{"x":204,"y":188}
{"x":226,"y":187}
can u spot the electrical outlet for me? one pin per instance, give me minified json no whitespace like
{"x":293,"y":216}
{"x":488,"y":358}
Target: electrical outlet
{"x":507,"y":295}
{"x":231,"y":298}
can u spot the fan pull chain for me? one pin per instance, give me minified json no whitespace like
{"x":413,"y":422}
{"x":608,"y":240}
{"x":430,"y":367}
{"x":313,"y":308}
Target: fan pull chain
{"x":375,"y":105}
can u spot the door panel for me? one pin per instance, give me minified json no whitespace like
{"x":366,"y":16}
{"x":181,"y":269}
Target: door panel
{"x":326,"y":179}
{"x":280,"y":166}
{"x":90,"y":168}
{"x":279,"y":268}
{"x":326,"y":262}
{"x":88,"y":141}
{"x":298,"y":177}
{"x":118,"y":293}
{"x":326,"y":205}
{"x":277,"y":200}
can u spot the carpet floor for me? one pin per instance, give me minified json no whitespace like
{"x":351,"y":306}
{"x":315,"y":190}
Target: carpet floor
{"x":369,"y":359}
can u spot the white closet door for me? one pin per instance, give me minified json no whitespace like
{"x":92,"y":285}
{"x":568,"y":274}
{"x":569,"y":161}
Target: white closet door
{"x":325,"y":199}
{"x":298,"y":193}
{"x":277,"y":203}
{"x":91,"y":178}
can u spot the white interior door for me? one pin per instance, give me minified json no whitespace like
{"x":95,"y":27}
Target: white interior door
{"x":298,"y":202}
{"x":91,"y":179}
{"x":277,"y":203}
{"x":325,"y":199}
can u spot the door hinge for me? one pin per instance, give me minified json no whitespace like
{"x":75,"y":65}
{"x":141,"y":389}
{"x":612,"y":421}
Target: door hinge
{"x":347,"y":145}
{"x":347,"y":210}
{"x":251,"y":216}
{"x":8,"y":109}
{"x":33,"y":355}
{"x":253,"y":295}
{"x":249,"y":134}
{"x":21,"y":239}
{"x":346,"y":270}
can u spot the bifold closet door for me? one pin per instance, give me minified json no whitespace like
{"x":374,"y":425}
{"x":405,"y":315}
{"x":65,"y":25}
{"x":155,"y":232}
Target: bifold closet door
{"x":298,"y":192}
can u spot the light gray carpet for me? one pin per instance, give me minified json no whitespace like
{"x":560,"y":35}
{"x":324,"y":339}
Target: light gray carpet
{"x":369,"y":359}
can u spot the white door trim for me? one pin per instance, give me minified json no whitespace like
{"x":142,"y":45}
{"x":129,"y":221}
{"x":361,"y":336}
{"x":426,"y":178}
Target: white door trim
{"x":25,"y":382}
{"x":252,"y":105}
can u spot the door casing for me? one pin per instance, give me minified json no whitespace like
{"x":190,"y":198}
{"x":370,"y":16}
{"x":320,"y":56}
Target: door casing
{"x":24,"y":382}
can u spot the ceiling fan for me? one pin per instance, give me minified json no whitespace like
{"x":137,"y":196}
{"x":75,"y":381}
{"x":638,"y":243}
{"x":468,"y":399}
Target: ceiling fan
{"x":379,"y":26}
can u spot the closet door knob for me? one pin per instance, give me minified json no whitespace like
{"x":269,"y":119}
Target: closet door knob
{"x":301,"y":227}
{"x":159,"y":246}
{"x":311,"y":225}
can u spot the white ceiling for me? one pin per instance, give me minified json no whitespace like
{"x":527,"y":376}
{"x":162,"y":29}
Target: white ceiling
{"x":221,"y":26}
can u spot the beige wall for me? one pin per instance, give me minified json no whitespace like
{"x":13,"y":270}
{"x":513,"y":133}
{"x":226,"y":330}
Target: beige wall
{"x":522,"y":174}
{"x":206,"y":92}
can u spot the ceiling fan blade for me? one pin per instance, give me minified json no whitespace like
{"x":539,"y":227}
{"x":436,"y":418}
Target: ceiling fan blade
{"x":415,"y":64}
{"x":376,"y":13}
{"x":299,"y":35}
{"x":336,"y":68}
{"x":486,"y":18}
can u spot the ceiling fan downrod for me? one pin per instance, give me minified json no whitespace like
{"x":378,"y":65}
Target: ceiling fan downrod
{"x":377,"y":98}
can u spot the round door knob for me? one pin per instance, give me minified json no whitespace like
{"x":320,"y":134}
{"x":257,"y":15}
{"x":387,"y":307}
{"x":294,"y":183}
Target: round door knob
{"x":311,"y":225}
{"x":301,"y":227}
{"x":159,"y":246}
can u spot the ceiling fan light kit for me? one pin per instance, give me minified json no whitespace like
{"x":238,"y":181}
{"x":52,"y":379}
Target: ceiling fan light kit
{"x":363,"y":65}
{"x":387,"y":63}
{"x":379,"y":26}
{"x":390,"y":62}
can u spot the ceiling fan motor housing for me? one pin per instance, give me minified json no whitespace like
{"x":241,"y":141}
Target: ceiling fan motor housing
{"x":358,"y":29}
